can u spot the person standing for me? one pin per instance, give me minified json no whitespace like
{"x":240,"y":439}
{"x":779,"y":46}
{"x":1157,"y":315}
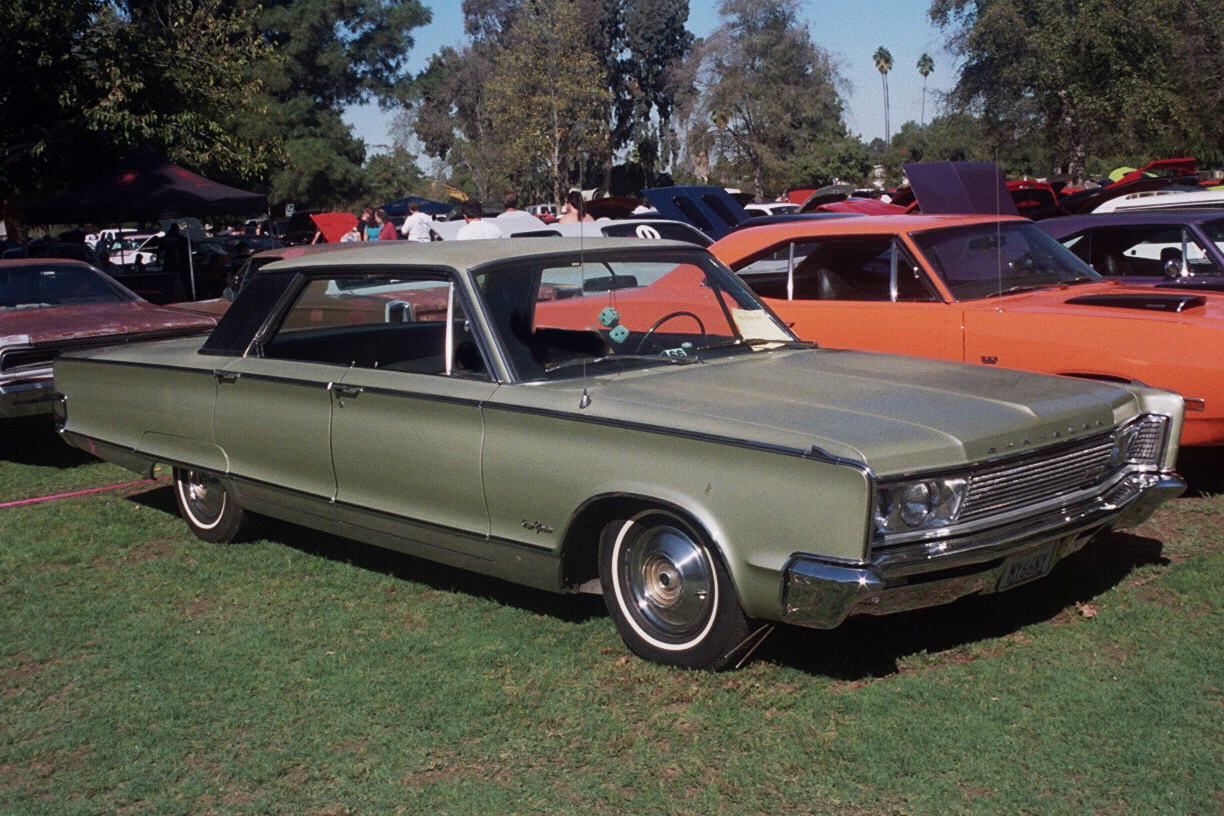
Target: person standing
{"x":416,"y":225}
{"x":476,"y":226}
{"x":369,"y":225}
{"x":575,"y":208}
{"x":386,"y":229}
{"x":175,"y":256}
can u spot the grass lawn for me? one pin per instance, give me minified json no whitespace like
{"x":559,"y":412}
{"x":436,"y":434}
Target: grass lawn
{"x":144,"y":671}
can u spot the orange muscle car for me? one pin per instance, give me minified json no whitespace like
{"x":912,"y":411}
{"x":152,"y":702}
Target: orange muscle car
{"x":988,"y":290}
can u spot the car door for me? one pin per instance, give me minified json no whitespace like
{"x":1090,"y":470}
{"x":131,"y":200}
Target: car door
{"x":273,"y":421}
{"x":860,"y":292}
{"x":407,"y":429}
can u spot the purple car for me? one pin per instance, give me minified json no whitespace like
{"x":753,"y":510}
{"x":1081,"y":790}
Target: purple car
{"x":1170,"y":248}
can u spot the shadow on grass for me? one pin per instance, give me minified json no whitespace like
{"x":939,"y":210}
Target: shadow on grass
{"x":866,"y":647}
{"x":569,"y":608}
{"x":33,"y":441}
{"x":1203,"y":470}
{"x":863,"y":648}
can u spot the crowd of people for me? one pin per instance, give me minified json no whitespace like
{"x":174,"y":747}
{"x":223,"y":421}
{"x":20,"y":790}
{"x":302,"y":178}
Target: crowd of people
{"x":376,"y":225}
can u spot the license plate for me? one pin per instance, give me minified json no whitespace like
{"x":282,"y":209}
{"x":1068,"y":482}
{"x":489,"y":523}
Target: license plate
{"x":1024,"y":567}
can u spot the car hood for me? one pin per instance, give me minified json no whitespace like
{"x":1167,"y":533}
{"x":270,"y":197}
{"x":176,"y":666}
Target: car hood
{"x":1115,"y":300}
{"x":60,"y":324}
{"x":892,"y":413}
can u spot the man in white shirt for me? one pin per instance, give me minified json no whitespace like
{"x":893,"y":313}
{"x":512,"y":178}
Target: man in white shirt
{"x":476,"y":227}
{"x":416,"y":225}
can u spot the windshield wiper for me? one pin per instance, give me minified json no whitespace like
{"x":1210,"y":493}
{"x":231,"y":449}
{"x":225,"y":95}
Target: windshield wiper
{"x":612,"y":358}
{"x":754,"y":342}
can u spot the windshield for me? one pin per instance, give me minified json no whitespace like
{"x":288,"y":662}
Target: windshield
{"x":991,"y":259}
{"x":33,"y":286}
{"x":130,"y":242}
{"x":554,"y":317}
{"x":1214,"y":230}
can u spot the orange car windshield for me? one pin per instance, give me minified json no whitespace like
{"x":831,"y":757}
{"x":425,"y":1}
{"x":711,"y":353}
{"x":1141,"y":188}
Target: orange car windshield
{"x":554,"y":317}
{"x":987,"y":260}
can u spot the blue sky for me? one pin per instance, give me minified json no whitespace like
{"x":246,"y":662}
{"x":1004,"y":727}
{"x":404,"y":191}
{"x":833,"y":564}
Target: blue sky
{"x":850,"y":30}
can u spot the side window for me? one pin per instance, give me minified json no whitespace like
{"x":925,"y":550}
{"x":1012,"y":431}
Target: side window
{"x":867,"y":268}
{"x":395,"y":323}
{"x":1139,"y":250}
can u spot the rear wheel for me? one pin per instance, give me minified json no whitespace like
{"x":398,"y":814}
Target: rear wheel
{"x":668,"y":592}
{"x":208,"y":507}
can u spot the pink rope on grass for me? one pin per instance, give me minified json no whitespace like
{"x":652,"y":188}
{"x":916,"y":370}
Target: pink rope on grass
{"x":83,"y":492}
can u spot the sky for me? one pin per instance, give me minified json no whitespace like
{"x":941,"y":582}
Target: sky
{"x":850,"y":30}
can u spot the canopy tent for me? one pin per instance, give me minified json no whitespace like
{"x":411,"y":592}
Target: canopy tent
{"x":144,"y":187}
{"x":399,"y":207}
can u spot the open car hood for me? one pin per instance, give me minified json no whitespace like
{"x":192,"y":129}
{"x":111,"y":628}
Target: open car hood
{"x":960,"y":188}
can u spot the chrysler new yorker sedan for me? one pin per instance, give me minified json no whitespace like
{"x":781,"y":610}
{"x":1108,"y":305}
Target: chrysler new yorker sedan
{"x":993,"y":291}
{"x":621,"y":417}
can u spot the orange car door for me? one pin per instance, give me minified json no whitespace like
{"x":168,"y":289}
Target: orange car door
{"x":861,"y":292}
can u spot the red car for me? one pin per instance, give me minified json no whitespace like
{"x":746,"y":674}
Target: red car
{"x":51,"y":305}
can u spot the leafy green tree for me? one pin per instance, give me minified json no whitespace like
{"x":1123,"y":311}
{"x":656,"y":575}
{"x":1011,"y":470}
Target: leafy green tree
{"x":762,"y":94}
{"x":449,"y":115}
{"x":652,"y":43}
{"x":1081,"y":77}
{"x":332,"y":53}
{"x":83,"y":82}
{"x":547,"y":100}
{"x":884,"y":63}
{"x":394,"y":175}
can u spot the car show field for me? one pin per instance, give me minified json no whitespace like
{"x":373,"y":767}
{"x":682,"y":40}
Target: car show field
{"x":145,"y":670}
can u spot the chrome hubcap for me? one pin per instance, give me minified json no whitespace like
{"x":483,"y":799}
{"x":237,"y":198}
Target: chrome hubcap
{"x":204,"y":495}
{"x":670,"y":580}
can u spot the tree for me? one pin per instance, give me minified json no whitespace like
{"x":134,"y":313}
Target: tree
{"x":925,"y":66}
{"x":1080,"y":78}
{"x":547,"y":100}
{"x":653,"y":43}
{"x":883,"y":63}
{"x":83,"y":82}
{"x":762,"y":94}
{"x":333,"y":53}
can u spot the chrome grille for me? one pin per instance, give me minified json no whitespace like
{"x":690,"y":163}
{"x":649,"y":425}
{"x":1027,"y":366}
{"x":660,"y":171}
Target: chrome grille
{"x":1036,"y":478}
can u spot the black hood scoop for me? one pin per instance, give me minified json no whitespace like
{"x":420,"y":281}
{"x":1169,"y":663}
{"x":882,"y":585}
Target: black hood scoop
{"x":1155,"y":302}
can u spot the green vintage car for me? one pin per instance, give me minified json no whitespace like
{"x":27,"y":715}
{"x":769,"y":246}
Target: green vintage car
{"x":620,"y":417}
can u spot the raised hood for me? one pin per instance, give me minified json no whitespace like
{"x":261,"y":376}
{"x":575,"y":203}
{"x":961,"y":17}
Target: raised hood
{"x":895,"y":414}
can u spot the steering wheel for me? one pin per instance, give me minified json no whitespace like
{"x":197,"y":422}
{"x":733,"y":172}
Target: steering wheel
{"x":670,"y":316}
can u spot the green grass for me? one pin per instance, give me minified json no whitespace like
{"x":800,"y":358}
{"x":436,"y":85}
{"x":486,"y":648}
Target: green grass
{"x":144,"y":671}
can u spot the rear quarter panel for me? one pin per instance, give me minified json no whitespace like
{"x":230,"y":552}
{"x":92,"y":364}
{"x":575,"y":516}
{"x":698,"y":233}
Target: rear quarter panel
{"x":155,"y":399}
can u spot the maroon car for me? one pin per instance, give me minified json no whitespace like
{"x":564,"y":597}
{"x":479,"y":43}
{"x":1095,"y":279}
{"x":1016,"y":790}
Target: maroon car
{"x":50,"y":305}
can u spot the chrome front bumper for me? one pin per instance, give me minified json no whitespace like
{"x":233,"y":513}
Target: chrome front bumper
{"x":821,"y":593}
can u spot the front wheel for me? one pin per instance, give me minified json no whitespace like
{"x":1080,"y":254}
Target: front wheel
{"x":208,"y":507}
{"x":668,"y":592}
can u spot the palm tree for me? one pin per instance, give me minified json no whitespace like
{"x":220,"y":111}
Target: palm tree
{"x":883,"y":63}
{"x":925,"y":66}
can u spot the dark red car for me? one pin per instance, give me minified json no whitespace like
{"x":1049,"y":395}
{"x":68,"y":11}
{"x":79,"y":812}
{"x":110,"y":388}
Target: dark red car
{"x":50,"y":305}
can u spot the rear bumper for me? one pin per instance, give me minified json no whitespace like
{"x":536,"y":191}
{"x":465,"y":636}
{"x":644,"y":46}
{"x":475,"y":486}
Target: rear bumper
{"x":821,"y":593}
